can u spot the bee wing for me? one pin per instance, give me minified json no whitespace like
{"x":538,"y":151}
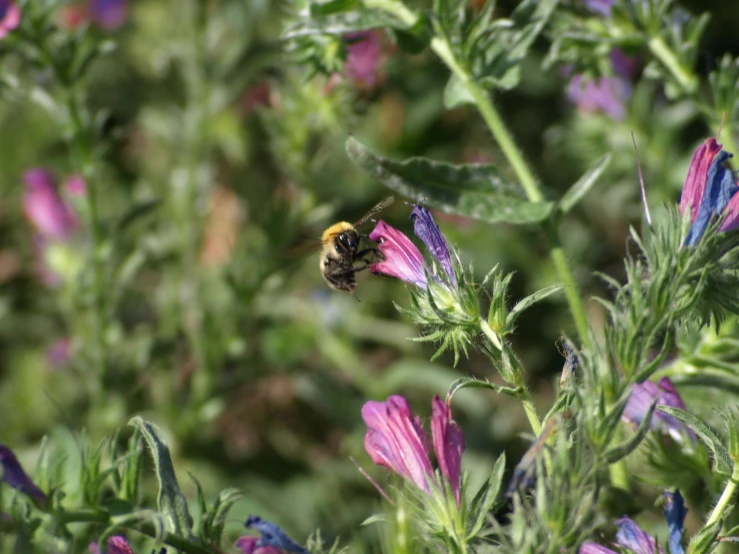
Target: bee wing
{"x":378,"y":208}
{"x":303,"y":249}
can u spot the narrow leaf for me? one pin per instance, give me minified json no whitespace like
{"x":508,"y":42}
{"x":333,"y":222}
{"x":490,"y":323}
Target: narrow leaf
{"x":478,"y":191}
{"x":714,"y":443}
{"x":469,"y":382}
{"x":702,"y":542}
{"x":529,"y":301}
{"x":171,"y":501}
{"x":456,"y":94}
{"x":486,"y":496}
{"x":318,"y":9}
{"x":616,"y":453}
{"x":340,"y":24}
{"x":584,"y":184}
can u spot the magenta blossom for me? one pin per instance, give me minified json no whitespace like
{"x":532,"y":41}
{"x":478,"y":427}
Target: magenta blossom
{"x":401,"y":257}
{"x":44,"y":207}
{"x":632,"y":538}
{"x":10,"y":17}
{"x":396,"y":440}
{"x":641,"y":398}
{"x":364,"y":57}
{"x":12,"y":474}
{"x":248,"y":545}
{"x":709,"y":191}
{"x":116,"y":545}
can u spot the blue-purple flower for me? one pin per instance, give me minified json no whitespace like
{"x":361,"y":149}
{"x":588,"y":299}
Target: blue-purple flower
{"x":602,"y":7}
{"x":10,"y":17}
{"x":709,"y":191}
{"x":605,"y":94}
{"x":641,"y":398}
{"x":117,"y":544}
{"x":631,"y":537}
{"x":401,"y":257}
{"x":397,"y":440}
{"x":273,"y":539}
{"x":108,"y":14}
{"x":12,"y":474}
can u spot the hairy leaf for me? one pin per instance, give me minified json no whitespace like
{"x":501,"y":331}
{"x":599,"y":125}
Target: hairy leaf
{"x":472,"y":190}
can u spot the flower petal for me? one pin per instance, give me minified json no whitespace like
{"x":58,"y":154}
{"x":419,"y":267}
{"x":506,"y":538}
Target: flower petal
{"x":719,"y":189}
{"x":13,"y":475}
{"x":426,"y":229}
{"x":272,"y":536}
{"x":592,"y":548}
{"x":45,"y":208}
{"x":396,"y":440}
{"x":675,"y":513}
{"x":632,"y":537}
{"x":448,"y":443}
{"x":402,"y":259}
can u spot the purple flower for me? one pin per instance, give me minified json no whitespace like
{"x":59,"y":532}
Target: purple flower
{"x":426,"y":229}
{"x":709,"y":190}
{"x":602,"y":7}
{"x":45,"y":208}
{"x":273,"y":539}
{"x":59,"y":353}
{"x":364,"y":57}
{"x":108,"y":14}
{"x":448,"y":443}
{"x":396,"y":440}
{"x":606,"y":94}
{"x":13,"y":475}
{"x":631,"y":536}
{"x":402,"y":259}
{"x":641,"y":398}
{"x":524,"y":474}
{"x":248,"y":545}
{"x":10,"y":17}
{"x":116,"y":545}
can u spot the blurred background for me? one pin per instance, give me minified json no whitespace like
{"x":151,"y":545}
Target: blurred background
{"x":218,"y":158}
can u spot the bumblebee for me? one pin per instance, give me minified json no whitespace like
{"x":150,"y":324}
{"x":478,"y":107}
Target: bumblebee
{"x":340,"y":251}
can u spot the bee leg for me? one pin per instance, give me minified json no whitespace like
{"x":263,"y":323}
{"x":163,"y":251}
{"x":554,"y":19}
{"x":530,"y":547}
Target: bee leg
{"x":374,"y":251}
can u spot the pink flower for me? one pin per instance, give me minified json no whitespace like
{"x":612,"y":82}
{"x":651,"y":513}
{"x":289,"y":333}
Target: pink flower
{"x":448,"y":443}
{"x":641,"y":398}
{"x":364,"y":57}
{"x":116,"y":545}
{"x":402,"y":259}
{"x":248,"y":545}
{"x":10,"y":17}
{"x":396,"y":440}
{"x":45,"y":208}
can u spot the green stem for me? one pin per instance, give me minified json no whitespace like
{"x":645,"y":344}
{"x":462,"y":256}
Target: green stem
{"x":726,"y":496}
{"x":664,"y":54}
{"x":524,"y":395}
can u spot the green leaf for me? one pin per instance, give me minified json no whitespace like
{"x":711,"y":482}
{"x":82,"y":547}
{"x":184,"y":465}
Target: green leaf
{"x":485,"y":498}
{"x":471,"y":190}
{"x":721,"y":456}
{"x":706,"y":537}
{"x":171,"y":501}
{"x":616,"y":453}
{"x":709,"y":378}
{"x":457,"y":94}
{"x":319,"y":9}
{"x":215,"y":519}
{"x":529,"y":301}
{"x":584,"y":184}
{"x":343,"y":23}
{"x":472,"y":383}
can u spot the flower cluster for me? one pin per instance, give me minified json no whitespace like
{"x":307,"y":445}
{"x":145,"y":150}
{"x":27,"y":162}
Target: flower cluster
{"x":709,"y":191}
{"x":397,"y":440}
{"x":445,"y":302}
